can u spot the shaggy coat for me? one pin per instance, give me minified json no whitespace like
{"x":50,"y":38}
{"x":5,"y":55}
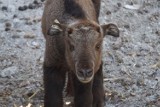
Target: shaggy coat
{"x":73,"y":50}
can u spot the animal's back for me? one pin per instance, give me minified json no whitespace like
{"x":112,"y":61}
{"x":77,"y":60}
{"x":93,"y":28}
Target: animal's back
{"x":67,"y":12}
{"x":53,"y":10}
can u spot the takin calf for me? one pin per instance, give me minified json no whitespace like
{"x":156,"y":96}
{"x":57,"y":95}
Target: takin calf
{"x":74,"y":51}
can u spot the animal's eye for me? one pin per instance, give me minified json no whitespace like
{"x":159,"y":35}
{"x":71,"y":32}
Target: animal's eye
{"x":71,"y":47}
{"x":98,"y":46}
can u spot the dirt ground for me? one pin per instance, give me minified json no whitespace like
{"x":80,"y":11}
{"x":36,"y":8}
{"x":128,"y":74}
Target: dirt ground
{"x":131,"y":62}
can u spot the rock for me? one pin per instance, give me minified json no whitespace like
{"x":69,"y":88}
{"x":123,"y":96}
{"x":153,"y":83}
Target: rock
{"x":35,"y":2}
{"x":36,"y":20}
{"x":40,"y":60}
{"x":126,"y":26}
{"x":29,"y":35}
{"x":33,"y":45}
{"x":24,"y":83}
{"x":29,"y":22}
{"x":119,"y":4}
{"x":133,"y":94}
{"x":22,"y":8}
{"x":42,"y":0}
{"x":8,"y":24}
{"x":108,"y":12}
{"x":14,"y":16}
{"x":132,"y":7}
{"x":9,"y":72}
{"x":144,"y":11}
{"x":158,"y":33}
{"x":7,"y":29}
{"x":31,"y":6}
{"x":138,"y":65}
{"x":4,"y":8}
{"x":15,"y":36}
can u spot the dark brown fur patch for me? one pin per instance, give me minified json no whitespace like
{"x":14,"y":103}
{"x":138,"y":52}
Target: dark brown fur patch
{"x":97,"y":6}
{"x":72,"y":8}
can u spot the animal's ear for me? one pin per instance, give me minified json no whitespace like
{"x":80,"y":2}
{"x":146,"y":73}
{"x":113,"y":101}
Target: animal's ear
{"x":110,"y":29}
{"x":55,"y":29}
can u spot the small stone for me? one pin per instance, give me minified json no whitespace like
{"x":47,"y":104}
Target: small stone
{"x":34,"y":45}
{"x":29,"y":22}
{"x":24,"y":83}
{"x":132,"y":6}
{"x":119,"y":4}
{"x":29,"y":35}
{"x":140,"y":82}
{"x":14,"y":16}
{"x":158,"y":33}
{"x":35,"y":2}
{"x":108,"y":12}
{"x":15,"y":36}
{"x":146,"y":11}
{"x":25,"y":7}
{"x":31,"y":6}
{"x":41,"y":60}
{"x":36,"y":20}
{"x":126,"y":26}
{"x":132,"y":94}
{"x":7,"y":29}
{"x":22,"y":8}
{"x":8,"y":24}
{"x":140,"y":11}
{"x":138,"y":65}
{"x":4,"y":8}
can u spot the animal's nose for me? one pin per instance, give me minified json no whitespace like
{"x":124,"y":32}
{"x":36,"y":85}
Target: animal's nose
{"x":85,"y":73}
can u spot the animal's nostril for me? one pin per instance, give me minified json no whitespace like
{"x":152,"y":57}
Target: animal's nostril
{"x":85,"y":73}
{"x":89,"y":72}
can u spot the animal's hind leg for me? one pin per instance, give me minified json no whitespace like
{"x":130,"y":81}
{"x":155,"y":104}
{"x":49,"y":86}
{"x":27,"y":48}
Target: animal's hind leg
{"x":98,"y":90}
{"x":53,"y":86}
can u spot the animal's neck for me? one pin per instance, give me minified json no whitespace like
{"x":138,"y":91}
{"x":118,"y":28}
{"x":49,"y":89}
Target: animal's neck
{"x":88,"y":8}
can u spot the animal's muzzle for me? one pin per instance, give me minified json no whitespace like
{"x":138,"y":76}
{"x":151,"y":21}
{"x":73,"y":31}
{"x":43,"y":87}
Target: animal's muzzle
{"x":85,"y":75}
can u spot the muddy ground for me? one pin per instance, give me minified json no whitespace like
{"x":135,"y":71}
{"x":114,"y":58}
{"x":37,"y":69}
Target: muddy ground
{"x":131,"y":62}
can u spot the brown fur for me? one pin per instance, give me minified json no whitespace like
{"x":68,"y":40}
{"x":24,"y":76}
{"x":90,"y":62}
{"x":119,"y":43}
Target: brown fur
{"x":74,"y":45}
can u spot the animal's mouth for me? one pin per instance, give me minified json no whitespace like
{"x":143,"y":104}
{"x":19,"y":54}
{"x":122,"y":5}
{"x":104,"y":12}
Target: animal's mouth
{"x":84,"y":79}
{"x":84,"y":74}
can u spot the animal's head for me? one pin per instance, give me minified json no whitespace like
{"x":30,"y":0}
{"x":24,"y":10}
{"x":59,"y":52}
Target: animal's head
{"x":83,"y":44}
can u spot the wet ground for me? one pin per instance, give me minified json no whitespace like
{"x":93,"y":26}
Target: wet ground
{"x":131,"y":62}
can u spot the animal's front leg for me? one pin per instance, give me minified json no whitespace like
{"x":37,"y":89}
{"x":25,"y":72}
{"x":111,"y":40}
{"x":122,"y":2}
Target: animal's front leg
{"x":53,"y":86}
{"x":82,"y":94}
{"x":98,"y":90}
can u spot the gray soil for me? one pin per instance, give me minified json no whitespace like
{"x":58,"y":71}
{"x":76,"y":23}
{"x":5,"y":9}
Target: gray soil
{"x":131,"y":62}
